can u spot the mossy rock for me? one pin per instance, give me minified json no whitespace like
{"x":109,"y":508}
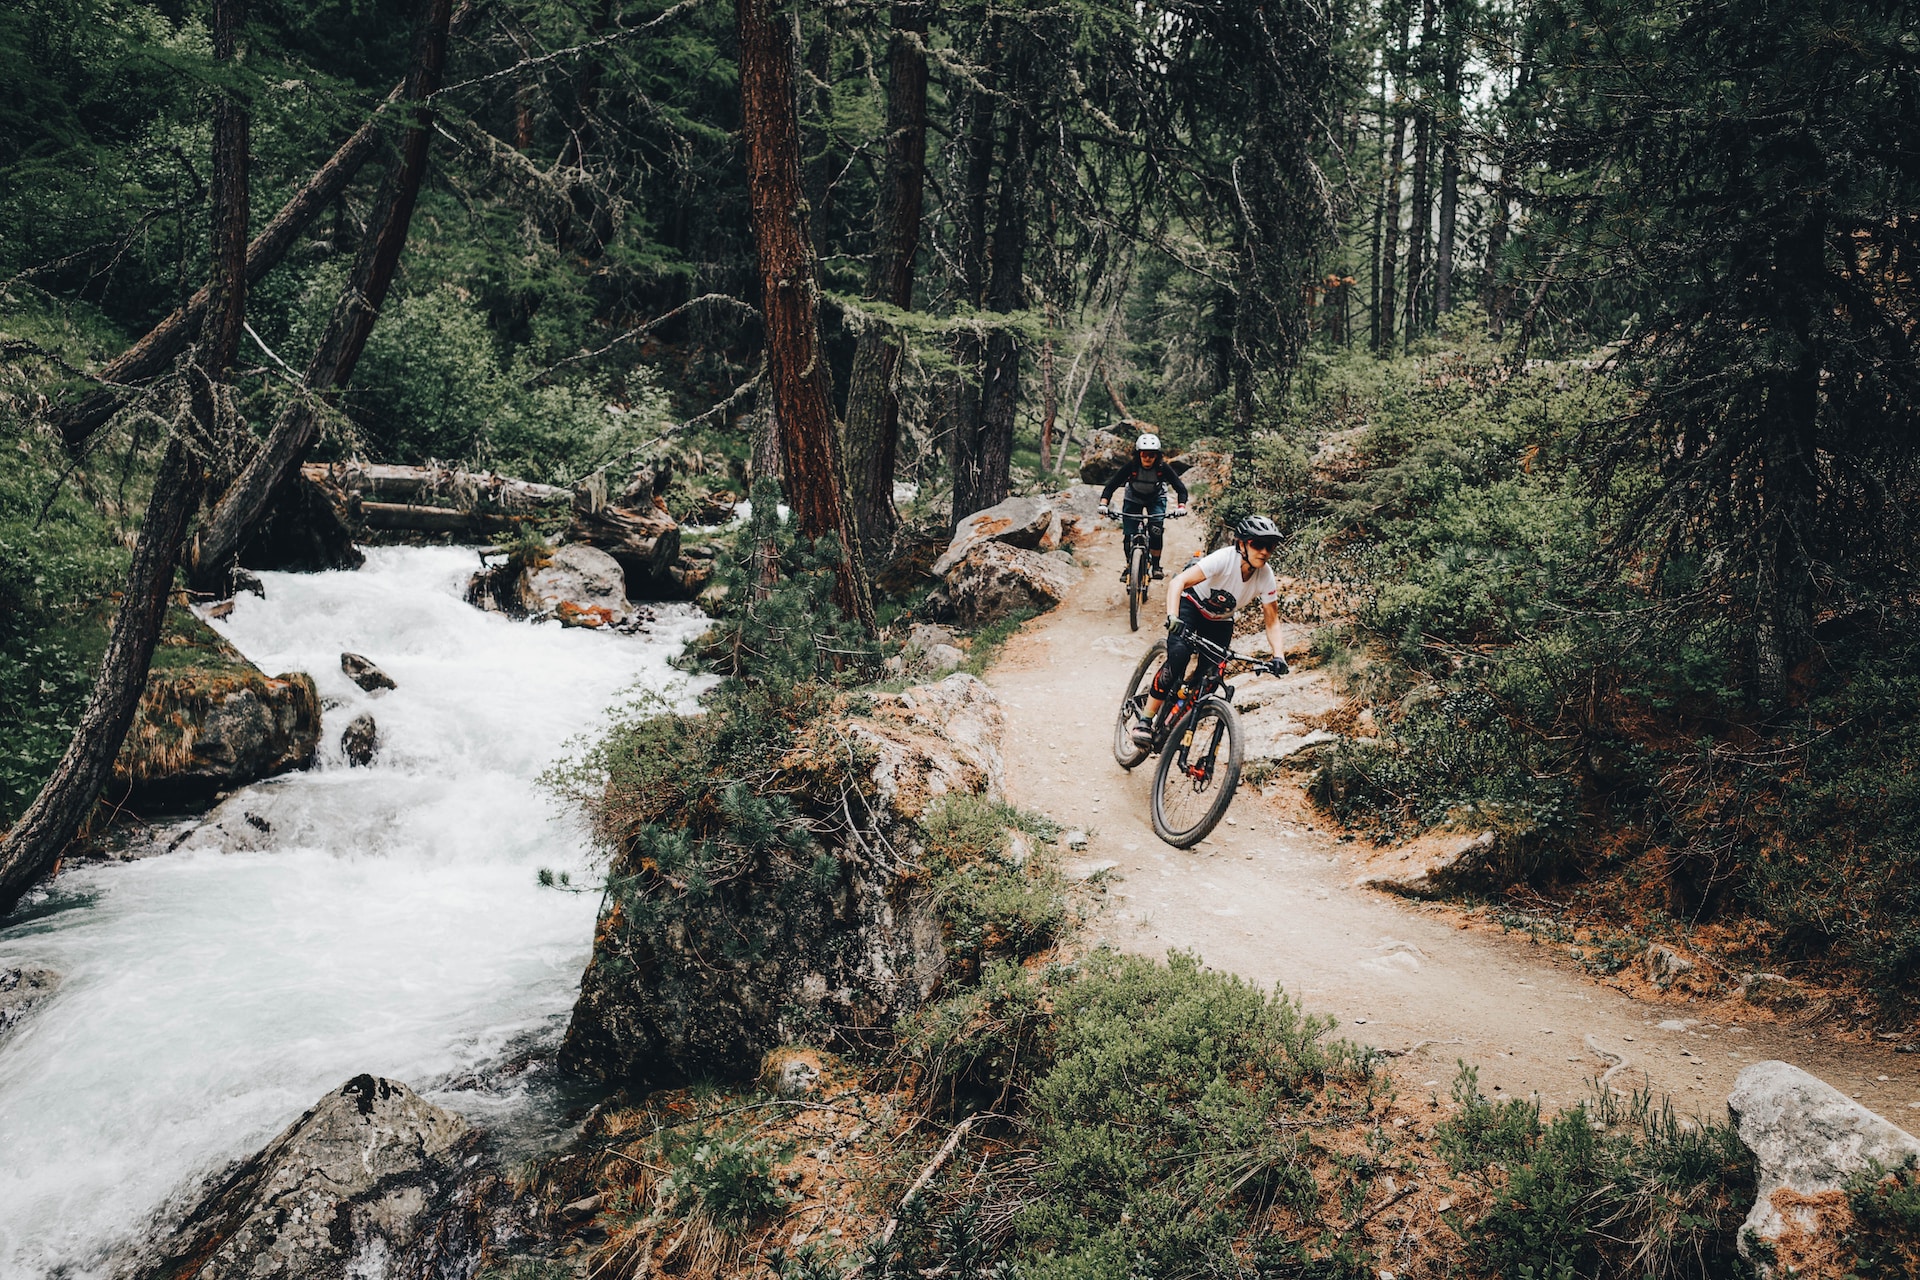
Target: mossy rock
{"x":210,"y":721}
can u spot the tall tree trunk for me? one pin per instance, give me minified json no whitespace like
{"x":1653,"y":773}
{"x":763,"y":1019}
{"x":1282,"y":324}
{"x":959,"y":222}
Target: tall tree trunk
{"x":1049,"y":396}
{"x":156,"y":350}
{"x":67,"y":797}
{"x":1006,"y":293}
{"x":796,"y":362}
{"x":970,"y":283}
{"x":1418,"y":222}
{"x":1449,"y":127}
{"x":1390,"y":250}
{"x":1379,"y":213}
{"x":1494,"y":292}
{"x":873,"y":410}
{"x":222,"y":538}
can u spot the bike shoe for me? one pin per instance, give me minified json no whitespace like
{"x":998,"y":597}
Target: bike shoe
{"x":1142,"y":733}
{"x":1158,"y":573}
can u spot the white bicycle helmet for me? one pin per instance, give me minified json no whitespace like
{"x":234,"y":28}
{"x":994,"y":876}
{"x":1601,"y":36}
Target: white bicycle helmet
{"x":1147,"y":443}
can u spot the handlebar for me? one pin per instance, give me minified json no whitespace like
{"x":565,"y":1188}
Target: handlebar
{"x":1219,"y":653}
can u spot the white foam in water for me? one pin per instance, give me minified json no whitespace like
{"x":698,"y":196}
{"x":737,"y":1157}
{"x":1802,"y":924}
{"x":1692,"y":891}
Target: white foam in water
{"x":389,"y":922}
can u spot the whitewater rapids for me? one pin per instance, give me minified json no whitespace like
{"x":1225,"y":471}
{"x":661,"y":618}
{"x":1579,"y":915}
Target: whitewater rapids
{"x":388,"y":919}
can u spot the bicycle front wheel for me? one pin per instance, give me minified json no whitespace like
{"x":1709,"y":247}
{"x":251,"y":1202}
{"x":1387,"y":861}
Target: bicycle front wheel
{"x":1126,"y":753}
{"x":1199,"y":769}
{"x":1136,"y":586}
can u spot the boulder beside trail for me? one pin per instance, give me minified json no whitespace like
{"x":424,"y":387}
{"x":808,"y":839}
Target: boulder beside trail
{"x":372,"y":1181}
{"x":993,"y":581}
{"x":1036,"y":522}
{"x":1809,"y":1139}
{"x":1105,"y":456}
{"x":774,"y":954}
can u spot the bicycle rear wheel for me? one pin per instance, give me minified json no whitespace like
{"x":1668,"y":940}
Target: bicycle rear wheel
{"x":1199,"y":769}
{"x":1125,"y":752}
{"x":1136,"y":586}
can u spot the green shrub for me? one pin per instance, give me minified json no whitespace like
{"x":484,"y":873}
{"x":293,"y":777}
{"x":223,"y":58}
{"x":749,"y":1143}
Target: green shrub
{"x":1886,"y":1221}
{"x":782,"y":626}
{"x":727,"y":1176}
{"x":1618,"y":1188}
{"x":991,"y":905}
{"x":978,"y":1049}
{"x":60,"y":559}
{"x":1160,"y":1121}
{"x":1456,"y":760}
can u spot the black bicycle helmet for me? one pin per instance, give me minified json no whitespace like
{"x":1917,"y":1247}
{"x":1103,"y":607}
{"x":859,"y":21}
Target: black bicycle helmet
{"x":1257,"y":529}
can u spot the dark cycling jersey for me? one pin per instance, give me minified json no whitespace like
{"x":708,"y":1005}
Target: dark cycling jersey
{"x":1143,"y":483}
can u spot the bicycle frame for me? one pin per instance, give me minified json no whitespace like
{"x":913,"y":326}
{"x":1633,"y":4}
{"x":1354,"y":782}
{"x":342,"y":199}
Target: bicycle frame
{"x":1208,"y":678}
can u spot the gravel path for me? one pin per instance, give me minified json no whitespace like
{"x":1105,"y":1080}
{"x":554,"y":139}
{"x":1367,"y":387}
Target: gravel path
{"x":1271,"y":895}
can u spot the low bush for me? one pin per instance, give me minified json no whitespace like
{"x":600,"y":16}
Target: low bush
{"x":993,"y":903}
{"x":1618,"y":1187}
{"x":1885,"y":1235}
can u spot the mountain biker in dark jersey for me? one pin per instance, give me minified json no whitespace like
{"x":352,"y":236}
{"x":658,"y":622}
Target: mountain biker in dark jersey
{"x":1202,"y":601}
{"x":1144,"y":477}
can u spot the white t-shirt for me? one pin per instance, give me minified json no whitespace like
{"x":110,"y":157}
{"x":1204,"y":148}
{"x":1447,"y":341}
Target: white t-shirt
{"x":1222,"y":568}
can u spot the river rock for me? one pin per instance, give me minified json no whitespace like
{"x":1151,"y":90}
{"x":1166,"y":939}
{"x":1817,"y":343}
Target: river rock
{"x":201,"y":730}
{"x":364,"y":673}
{"x":1809,"y":1139}
{"x":994,"y":580}
{"x":357,"y":1187}
{"x":582,"y":586}
{"x":694,"y":992}
{"x":360,"y":739}
{"x":643,"y":540}
{"x":22,"y":988}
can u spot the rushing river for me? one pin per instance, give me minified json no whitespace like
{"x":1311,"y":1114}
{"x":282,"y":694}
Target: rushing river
{"x":388,"y":919}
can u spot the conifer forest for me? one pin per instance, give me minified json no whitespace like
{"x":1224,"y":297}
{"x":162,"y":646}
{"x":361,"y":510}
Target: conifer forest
{"x":588,"y":517}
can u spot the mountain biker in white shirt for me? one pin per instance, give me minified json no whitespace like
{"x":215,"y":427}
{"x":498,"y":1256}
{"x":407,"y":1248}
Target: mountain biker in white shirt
{"x":1202,"y":602}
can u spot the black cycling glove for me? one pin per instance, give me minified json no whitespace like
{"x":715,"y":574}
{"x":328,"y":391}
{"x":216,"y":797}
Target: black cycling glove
{"x":1277,"y":666}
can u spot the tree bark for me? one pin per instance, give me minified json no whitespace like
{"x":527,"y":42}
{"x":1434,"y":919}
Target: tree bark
{"x":1494,"y":292}
{"x":873,"y":410}
{"x":816,"y":486}
{"x":218,"y":547}
{"x":1455,"y":47}
{"x":67,"y":797}
{"x":1006,"y":294}
{"x":1390,"y":249}
{"x":970,"y":283}
{"x":1049,"y":397}
{"x":1422,"y":196}
{"x":1379,"y":213}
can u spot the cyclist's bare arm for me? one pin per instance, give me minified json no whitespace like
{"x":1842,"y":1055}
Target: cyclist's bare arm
{"x":1270,"y":615}
{"x":1193,"y":577}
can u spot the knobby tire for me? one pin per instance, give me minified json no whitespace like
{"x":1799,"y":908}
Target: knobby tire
{"x":1136,"y":587}
{"x":1216,"y":749}
{"x":1125,"y":753}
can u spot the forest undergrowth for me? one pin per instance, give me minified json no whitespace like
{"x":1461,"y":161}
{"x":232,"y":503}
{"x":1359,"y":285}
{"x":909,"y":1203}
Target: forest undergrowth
{"x":1057,"y":1110}
{"x":1527,"y":669}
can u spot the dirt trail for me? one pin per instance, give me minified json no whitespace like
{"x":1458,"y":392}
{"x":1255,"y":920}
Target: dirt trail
{"x":1271,"y":896}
